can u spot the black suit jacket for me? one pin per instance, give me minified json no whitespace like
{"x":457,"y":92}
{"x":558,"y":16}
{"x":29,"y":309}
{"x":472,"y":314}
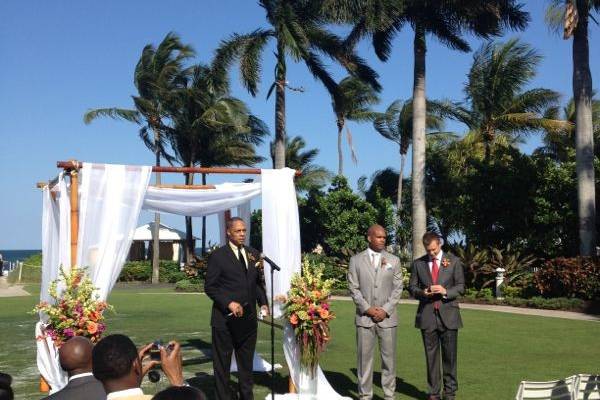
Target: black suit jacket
{"x":452,"y":278}
{"x":84,"y":388}
{"x":226,"y":281}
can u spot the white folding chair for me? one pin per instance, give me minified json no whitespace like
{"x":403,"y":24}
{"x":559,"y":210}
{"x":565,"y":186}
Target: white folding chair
{"x":550,"y":390}
{"x":587,"y":387}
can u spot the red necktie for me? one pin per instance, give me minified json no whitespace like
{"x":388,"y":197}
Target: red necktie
{"x":435,"y":270}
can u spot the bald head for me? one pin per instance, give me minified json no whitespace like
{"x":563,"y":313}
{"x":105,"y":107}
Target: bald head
{"x":376,"y":237}
{"x":76,"y":355}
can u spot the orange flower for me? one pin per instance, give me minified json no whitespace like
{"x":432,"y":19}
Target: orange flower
{"x":92,"y":327}
{"x":95,"y":316}
{"x":293,"y":319}
{"x":316,"y":293}
{"x":324,"y":313}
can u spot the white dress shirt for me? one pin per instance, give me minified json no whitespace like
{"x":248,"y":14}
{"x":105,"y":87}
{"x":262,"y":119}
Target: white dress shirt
{"x":439,"y":261}
{"x":80,"y":375}
{"x":125,"y":393}
{"x":374,"y":257}
{"x":243,"y":251}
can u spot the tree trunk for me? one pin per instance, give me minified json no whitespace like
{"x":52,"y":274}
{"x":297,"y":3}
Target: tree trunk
{"x":400,"y":181}
{"x":189,"y":234}
{"x":340,"y":127}
{"x":584,"y":138}
{"x":419,"y":212}
{"x":203,"y":223}
{"x":156,"y":230}
{"x":280,"y":107}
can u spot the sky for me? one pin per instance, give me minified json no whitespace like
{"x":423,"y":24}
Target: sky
{"x":61,"y":58}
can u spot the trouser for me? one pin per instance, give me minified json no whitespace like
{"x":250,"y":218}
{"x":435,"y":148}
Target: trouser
{"x":447,"y":340}
{"x":222,"y":348}
{"x":365,"y":344}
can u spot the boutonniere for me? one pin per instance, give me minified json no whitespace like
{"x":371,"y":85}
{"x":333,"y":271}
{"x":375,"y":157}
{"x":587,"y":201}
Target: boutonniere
{"x":445,"y":262}
{"x":258,"y":263}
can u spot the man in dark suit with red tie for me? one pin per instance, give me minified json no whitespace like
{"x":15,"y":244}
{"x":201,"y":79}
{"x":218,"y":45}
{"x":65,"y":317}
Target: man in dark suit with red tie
{"x":235,"y":285}
{"x":437,"y":280}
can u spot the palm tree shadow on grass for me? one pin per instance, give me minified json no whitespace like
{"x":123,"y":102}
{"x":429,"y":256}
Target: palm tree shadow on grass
{"x":347,"y":387}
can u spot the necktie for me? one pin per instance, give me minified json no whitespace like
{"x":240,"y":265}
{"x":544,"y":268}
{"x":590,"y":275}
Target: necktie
{"x":435,"y":270}
{"x":241,"y":258}
{"x":374,"y":260}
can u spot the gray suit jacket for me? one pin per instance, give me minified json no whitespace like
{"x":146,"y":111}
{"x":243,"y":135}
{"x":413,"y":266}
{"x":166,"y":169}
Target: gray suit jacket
{"x":452,"y":278}
{"x":375,"y":287}
{"x":84,"y":388}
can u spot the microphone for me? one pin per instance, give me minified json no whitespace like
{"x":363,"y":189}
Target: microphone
{"x":271,"y":262}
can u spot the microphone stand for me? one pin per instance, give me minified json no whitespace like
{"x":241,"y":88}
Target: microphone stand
{"x":273,"y":268}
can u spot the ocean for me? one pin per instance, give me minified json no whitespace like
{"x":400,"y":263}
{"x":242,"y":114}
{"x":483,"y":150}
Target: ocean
{"x":14,"y":255}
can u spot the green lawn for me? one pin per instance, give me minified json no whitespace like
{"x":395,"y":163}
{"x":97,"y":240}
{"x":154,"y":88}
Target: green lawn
{"x":496,"y":350}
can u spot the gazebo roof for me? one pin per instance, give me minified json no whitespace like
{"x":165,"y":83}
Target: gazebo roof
{"x":166,"y":233}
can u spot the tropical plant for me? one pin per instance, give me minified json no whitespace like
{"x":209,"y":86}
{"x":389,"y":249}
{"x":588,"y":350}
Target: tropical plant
{"x":210,"y":128}
{"x":395,"y":124}
{"x":352,"y":102}
{"x":312,"y":176}
{"x":297,"y":27}
{"x":560,"y":144}
{"x":497,"y":103}
{"x":155,"y":77}
{"x":518,"y":268}
{"x":474,"y":260}
{"x":572,"y":17}
{"x":447,"y":21}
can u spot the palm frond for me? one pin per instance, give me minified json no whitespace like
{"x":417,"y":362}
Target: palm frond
{"x":114,"y":113}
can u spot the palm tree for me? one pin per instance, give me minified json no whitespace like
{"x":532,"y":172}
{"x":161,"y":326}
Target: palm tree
{"x":395,"y":124}
{"x":297,"y":29}
{"x":210,"y":128}
{"x":296,"y":157}
{"x":156,"y":74}
{"x":574,"y":16}
{"x":497,"y":103}
{"x":560,"y":144}
{"x":448,"y":21}
{"x":351,"y":102}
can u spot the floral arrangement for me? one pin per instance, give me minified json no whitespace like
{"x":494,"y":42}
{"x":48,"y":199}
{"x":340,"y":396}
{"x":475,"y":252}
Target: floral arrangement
{"x":445,"y":262}
{"x":308,"y":311}
{"x":76,"y":310}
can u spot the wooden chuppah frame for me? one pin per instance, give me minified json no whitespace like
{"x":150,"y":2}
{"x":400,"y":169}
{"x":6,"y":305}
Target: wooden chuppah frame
{"x":72,"y":168}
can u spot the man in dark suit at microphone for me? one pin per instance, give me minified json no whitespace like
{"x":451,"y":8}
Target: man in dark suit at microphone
{"x":235,"y":285}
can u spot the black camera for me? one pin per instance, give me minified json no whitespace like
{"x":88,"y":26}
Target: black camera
{"x":155,"y":350}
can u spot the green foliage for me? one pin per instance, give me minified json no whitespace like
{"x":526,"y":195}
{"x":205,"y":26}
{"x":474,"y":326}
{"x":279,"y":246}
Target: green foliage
{"x":345,"y":219}
{"x":333,"y":269}
{"x":30,"y":274}
{"x":34,"y":260}
{"x":141,"y":271}
{"x":185,"y":285}
{"x":256,"y":229}
{"x":570,"y":277}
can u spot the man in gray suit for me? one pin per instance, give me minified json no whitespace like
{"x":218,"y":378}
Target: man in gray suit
{"x":375,"y":282}
{"x":436,"y":280}
{"x":76,"y":358}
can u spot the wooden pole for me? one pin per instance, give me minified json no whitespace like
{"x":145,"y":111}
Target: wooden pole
{"x":74,"y":199}
{"x":182,"y":170}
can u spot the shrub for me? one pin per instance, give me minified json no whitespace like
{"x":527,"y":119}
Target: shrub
{"x":185,"y":285}
{"x":512,"y":291}
{"x":30,"y":274}
{"x":577,"y":277}
{"x":141,"y":271}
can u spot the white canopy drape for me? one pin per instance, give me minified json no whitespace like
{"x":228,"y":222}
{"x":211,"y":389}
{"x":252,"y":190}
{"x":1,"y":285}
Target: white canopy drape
{"x":110,"y":200}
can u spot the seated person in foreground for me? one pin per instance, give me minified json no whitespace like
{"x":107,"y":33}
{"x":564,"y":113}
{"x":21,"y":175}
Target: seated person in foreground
{"x":180,"y":393}
{"x":118,"y":365}
{"x":6,"y":392}
{"x":76,"y":359}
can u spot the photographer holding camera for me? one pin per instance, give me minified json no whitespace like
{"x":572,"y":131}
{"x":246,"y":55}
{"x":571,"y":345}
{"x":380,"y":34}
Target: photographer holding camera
{"x":120,"y":367}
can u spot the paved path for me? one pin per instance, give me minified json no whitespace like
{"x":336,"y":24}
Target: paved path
{"x":511,"y":310}
{"x":11,"y":291}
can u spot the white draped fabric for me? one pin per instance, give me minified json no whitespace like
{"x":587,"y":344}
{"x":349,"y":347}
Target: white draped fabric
{"x":110,"y":200}
{"x":198,"y":203}
{"x":56,"y":236}
{"x":281,"y":229}
{"x":281,"y":242}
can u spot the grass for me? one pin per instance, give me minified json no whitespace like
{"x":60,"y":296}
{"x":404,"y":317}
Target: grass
{"x":496,"y":350}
